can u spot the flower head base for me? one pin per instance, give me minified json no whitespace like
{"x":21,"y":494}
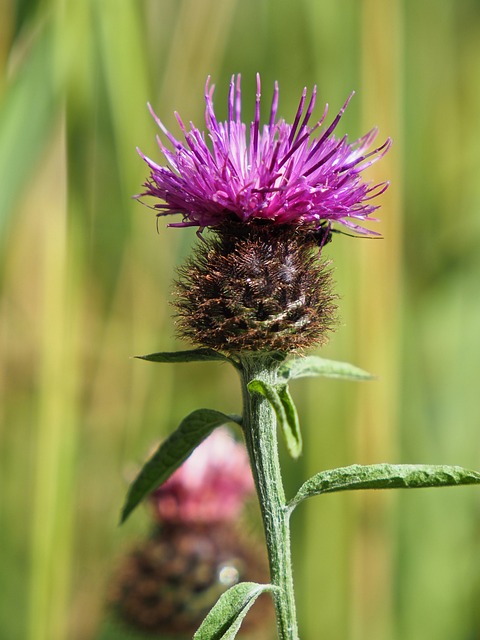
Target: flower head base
{"x":254,"y":287}
{"x":287,"y":174}
{"x":209,"y":487}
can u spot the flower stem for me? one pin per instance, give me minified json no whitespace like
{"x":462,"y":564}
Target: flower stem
{"x":259,"y":424}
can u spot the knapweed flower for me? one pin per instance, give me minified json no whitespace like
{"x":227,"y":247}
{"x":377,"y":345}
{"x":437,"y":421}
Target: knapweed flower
{"x":270,"y":196}
{"x":210,"y":486}
{"x":288,"y":174}
{"x":168,"y":583}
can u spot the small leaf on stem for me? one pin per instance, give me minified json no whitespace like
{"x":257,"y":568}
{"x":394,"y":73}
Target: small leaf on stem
{"x":384,"y":476}
{"x":309,"y":366}
{"x":172,"y":452}
{"x":285,"y":411}
{"x":224,"y":619}
{"x":190,"y":355}
{"x":291,"y":430}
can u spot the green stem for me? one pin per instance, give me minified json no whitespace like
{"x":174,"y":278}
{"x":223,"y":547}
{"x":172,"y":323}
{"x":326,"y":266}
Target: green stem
{"x":259,"y":425}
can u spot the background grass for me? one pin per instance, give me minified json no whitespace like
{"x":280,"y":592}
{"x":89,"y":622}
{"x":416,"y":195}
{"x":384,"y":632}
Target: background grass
{"x":85,"y":285}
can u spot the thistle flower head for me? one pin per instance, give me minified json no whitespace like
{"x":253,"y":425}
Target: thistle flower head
{"x":288,"y":174}
{"x":210,"y":486}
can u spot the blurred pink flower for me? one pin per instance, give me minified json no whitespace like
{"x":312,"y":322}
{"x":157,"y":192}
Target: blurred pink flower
{"x":209,"y":487}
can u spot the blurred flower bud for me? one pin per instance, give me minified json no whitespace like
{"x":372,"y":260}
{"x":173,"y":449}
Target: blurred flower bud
{"x":209,"y":487}
{"x":168,"y":583}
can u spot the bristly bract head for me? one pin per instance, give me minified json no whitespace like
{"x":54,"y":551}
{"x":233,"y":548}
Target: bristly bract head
{"x":254,"y":287}
{"x":286,"y":174}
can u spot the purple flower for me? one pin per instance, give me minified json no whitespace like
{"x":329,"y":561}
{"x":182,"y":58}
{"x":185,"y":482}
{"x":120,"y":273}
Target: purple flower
{"x":291,"y":174}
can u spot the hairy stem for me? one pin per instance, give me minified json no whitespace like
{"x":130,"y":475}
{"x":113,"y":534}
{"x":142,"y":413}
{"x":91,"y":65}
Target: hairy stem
{"x":259,"y":425}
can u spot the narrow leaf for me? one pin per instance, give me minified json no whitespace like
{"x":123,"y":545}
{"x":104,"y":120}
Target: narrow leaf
{"x":314,"y":366}
{"x":172,"y":452}
{"x":292,"y":432}
{"x":384,"y":476}
{"x":287,"y":418}
{"x":271,"y":394}
{"x":190,"y":355}
{"x":224,"y":619}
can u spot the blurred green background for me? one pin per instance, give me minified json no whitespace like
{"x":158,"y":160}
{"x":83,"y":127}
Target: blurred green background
{"x":85,"y":280}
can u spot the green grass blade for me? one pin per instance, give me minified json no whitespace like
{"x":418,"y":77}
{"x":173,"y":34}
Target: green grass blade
{"x":27,"y":114}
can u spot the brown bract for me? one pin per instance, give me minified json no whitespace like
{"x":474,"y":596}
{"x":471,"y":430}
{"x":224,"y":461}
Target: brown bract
{"x":255,"y":287}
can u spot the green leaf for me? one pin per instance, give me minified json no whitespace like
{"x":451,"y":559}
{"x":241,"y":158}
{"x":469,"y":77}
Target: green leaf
{"x":172,"y":452}
{"x":224,"y":619}
{"x":285,"y":410}
{"x":384,"y":476}
{"x":314,"y":366}
{"x":190,"y":355}
{"x":291,"y":430}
